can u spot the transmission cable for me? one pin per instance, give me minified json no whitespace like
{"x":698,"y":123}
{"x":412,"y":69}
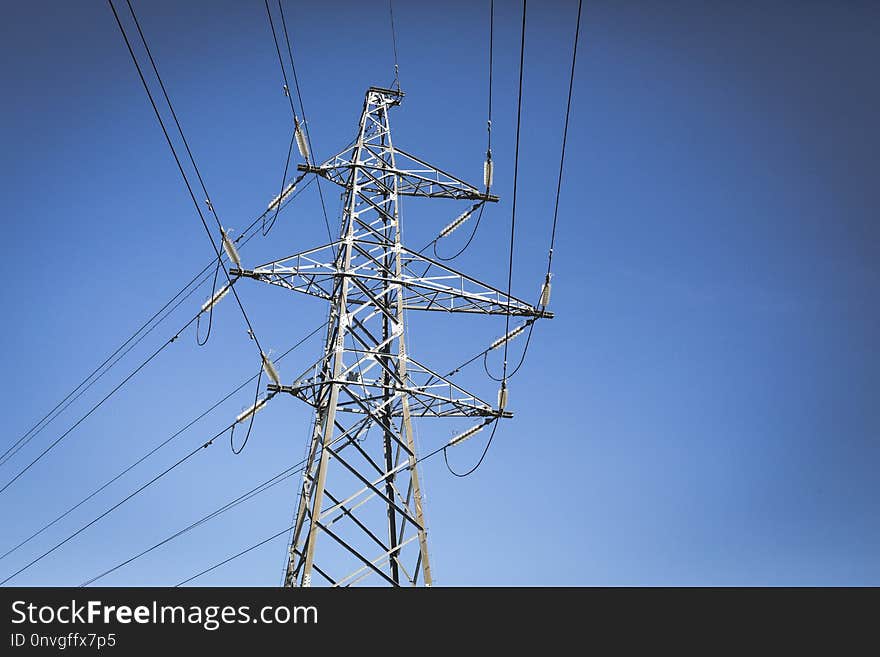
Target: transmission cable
{"x":488,"y":173}
{"x":182,"y":460}
{"x":199,"y":341}
{"x":265,"y":230}
{"x":394,"y":45}
{"x":235,"y":556}
{"x":479,"y":463}
{"x":522,"y":51}
{"x":155,"y":449}
{"x":304,"y":126}
{"x":503,"y":392}
{"x":96,"y":406}
{"x":302,"y":108}
{"x":128,"y":345}
{"x":244,"y":497}
{"x":227,"y":245}
{"x":545,"y":292}
{"x":564,"y":139}
{"x":71,"y":398}
{"x":198,"y":208}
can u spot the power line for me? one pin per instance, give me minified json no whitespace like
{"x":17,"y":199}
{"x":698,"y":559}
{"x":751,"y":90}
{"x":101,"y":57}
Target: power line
{"x":265,"y":230}
{"x":118,"y":504}
{"x":81,"y":389}
{"x":394,"y":44}
{"x":545,"y":298}
{"x":281,"y":63}
{"x":110,"y":394}
{"x":235,"y":556}
{"x":155,"y":449}
{"x":489,"y":162}
{"x":491,"y":62}
{"x":214,"y":246}
{"x":462,"y":475}
{"x":522,"y":51}
{"x":136,"y":337}
{"x":96,"y":406}
{"x":577,"y":30}
{"x":503,"y":392}
{"x":302,"y":108}
{"x":253,"y":492}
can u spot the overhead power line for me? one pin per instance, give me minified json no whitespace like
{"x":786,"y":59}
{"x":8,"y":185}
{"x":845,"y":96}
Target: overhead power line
{"x":183,"y":175}
{"x":394,"y":44}
{"x":304,"y":126}
{"x":577,"y":31}
{"x":488,"y":173}
{"x":131,"y":342}
{"x":502,"y":395}
{"x":167,"y":470}
{"x":155,"y":449}
{"x":131,"y":375}
{"x":244,"y":497}
{"x":235,"y":556}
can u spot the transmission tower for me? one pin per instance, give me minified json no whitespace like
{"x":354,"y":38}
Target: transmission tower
{"x":359,"y":513}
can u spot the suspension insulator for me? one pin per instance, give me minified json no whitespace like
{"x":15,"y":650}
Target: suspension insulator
{"x":502,"y":397}
{"x":458,"y":221}
{"x":301,"y":142}
{"x":230,"y":249}
{"x":509,"y":336}
{"x":271,"y":370}
{"x":282,"y":196}
{"x":244,"y":415}
{"x":488,"y":173}
{"x":545,"y":294}
{"x":465,"y":435}
{"x":219,"y":294}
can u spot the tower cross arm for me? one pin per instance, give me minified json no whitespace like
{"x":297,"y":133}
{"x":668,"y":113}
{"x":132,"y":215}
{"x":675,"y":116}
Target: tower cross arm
{"x":415,"y":176}
{"x":425,"y":283}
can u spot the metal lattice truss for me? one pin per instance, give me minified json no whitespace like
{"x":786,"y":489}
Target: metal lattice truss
{"x":359,"y":516}
{"x":427,"y":284}
{"x":414,"y":177}
{"x":370,"y":375}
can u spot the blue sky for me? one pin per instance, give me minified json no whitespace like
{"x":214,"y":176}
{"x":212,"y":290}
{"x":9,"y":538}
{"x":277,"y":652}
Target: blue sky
{"x":703,"y":410}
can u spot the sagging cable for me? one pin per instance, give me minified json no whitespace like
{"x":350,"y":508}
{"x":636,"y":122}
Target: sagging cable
{"x":208,"y":306}
{"x":249,"y":413}
{"x":464,"y":436}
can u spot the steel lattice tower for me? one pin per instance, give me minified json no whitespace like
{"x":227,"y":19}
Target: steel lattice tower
{"x":359,"y":512}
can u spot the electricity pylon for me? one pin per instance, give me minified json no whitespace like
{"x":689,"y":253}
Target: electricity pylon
{"x":366,"y":378}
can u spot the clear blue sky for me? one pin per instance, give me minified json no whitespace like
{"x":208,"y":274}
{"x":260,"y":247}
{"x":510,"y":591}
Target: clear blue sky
{"x":702,"y":411}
